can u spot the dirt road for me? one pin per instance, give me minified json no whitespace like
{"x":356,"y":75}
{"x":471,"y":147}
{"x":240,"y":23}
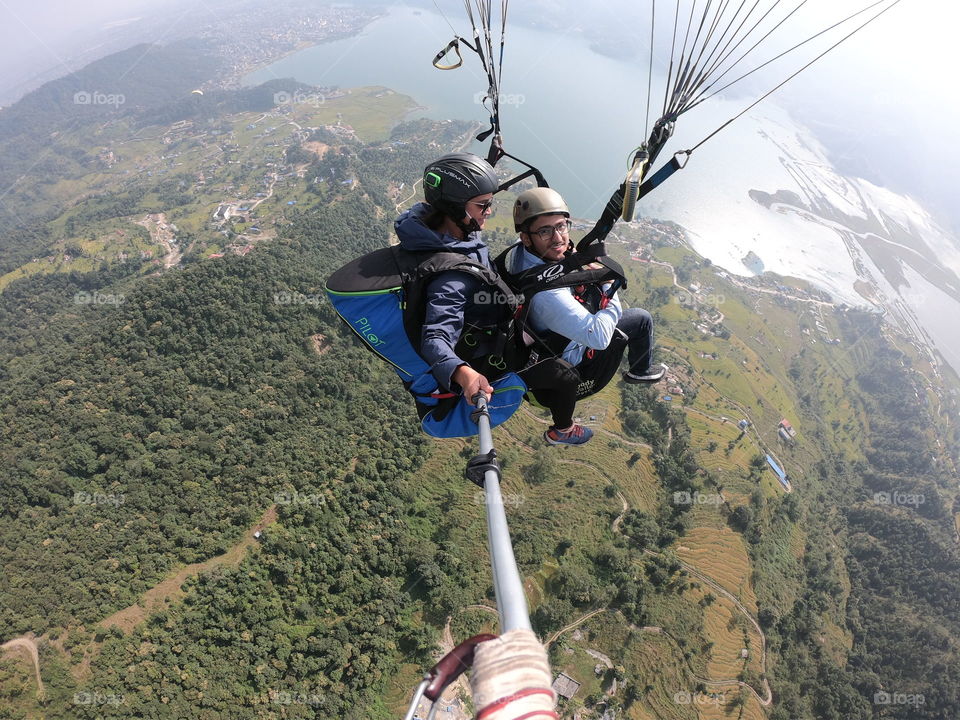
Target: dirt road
{"x":28,"y":644}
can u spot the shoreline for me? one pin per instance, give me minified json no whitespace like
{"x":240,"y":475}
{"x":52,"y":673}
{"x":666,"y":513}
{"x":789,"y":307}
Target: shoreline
{"x":235,"y":80}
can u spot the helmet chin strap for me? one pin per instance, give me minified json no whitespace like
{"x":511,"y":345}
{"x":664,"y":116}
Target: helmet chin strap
{"x":455,"y":213}
{"x":466,"y":229}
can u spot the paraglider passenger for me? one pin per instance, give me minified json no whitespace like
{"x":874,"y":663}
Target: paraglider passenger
{"x":458,"y":189}
{"x":593,"y":331}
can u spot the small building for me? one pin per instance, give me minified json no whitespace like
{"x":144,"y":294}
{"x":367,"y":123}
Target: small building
{"x":785,"y":436}
{"x":787,"y":428}
{"x":778,"y":471}
{"x":565,"y":686}
{"x":743,"y":424}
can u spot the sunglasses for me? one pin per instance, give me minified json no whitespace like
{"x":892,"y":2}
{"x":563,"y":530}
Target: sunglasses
{"x":484,"y":206}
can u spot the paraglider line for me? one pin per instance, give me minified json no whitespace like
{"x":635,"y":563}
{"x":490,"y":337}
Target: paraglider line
{"x":768,"y":94}
{"x":795,"y":47}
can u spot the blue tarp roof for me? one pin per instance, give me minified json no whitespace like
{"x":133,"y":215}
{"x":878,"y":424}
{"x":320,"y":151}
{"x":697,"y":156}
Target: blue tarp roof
{"x":776,"y":468}
{"x":781,"y":475}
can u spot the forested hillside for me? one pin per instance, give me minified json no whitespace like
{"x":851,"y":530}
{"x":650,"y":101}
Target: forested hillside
{"x":151,"y":433}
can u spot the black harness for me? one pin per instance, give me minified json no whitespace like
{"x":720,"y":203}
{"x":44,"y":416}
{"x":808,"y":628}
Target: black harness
{"x":584,"y":272}
{"x":488,"y":348}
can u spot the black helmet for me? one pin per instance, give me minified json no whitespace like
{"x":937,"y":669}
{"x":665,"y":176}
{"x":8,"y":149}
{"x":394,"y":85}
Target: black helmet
{"x":449,"y":182}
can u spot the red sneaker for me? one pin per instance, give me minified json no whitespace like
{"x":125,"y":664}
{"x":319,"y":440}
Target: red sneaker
{"x":577,"y":435}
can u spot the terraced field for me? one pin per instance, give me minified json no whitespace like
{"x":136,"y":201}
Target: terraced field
{"x":730,"y":632}
{"x":728,"y":467}
{"x":726,"y":709}
{"x":650,"y":656}
{"x":721,"y":554}
{"x":573,"y":506}
{"x":609,"y":452}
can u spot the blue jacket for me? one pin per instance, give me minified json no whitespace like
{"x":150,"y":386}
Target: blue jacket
{"x":451,"y":296}
{"x":558,"y":310}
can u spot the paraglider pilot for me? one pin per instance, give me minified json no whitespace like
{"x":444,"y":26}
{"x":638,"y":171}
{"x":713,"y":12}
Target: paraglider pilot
{"x":458,"y":189}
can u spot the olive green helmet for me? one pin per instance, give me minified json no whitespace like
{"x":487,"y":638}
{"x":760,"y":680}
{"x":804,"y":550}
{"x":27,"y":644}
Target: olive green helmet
{"x":537,"y":201}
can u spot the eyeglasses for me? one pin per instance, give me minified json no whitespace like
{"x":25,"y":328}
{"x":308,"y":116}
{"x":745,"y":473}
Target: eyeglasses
{"x":546,"y":232}
{"x":484,"y":206}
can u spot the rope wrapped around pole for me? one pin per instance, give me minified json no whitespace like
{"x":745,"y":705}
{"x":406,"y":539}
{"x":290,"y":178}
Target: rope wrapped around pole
{"x":511,"y":679}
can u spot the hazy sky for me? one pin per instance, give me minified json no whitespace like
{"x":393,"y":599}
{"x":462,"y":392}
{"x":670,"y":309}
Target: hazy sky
{"x":47,"y":39}
{"x":46,"y":29}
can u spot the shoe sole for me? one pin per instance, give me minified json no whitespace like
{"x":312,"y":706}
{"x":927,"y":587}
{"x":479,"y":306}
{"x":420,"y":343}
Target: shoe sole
{"x":649,"y":380}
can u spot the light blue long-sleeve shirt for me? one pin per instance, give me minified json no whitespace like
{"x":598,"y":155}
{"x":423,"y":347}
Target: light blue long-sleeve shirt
{"x":558,"y":310}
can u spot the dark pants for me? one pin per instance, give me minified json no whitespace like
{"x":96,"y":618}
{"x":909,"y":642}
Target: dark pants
{"x":557,"y":385}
